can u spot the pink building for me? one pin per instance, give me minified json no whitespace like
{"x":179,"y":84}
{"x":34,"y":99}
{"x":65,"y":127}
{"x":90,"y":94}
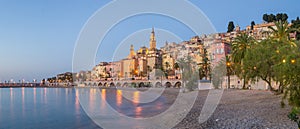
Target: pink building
{"x":219,"y":49}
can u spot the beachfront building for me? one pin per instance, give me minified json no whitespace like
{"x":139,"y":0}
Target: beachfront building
{"x":101,"y":71}
{"x":142,"y":68}
{"x":117,"y":70}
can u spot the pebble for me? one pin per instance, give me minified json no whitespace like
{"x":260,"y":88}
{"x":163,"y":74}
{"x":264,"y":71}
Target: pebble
{"x":240,"y":109}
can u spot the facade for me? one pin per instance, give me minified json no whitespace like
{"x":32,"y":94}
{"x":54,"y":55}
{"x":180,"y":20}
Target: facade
{"x":64,"y":77}
{"x":145,"y":62}
{"x":117,"y":70}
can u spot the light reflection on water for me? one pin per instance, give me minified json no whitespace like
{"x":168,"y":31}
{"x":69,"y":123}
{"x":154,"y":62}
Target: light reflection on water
{"x":103,"y":97}
{"x":41,"y":108}
{"x":119,"y":98}
{"x":114,"y":98}
{"x":60,"y":107}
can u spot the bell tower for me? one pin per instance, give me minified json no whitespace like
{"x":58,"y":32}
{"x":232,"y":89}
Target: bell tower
{"x":132,"y":53}
{"x":152,"y":40}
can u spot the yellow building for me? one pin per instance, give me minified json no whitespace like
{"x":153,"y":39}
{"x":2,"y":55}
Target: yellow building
{"x":142,"y":61}
{"x":117,"y":69}
{"x":129,"y":65}
{"x":168,"y":62}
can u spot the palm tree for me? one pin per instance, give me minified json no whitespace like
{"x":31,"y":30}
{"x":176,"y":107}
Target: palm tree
{"x":281,"y":33}
{"x":188,"y":73}
{"x":240,"y":46}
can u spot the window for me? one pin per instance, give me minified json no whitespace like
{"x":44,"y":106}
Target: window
{"x":222,"y":51}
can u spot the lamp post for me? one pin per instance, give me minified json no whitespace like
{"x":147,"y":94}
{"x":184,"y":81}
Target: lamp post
{"x":228,"y":74}
{"x":136,"y":74}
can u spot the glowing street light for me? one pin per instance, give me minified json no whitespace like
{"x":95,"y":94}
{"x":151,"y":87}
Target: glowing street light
{"x":228,"y":64}
{"x":293,"y":61}
{"x":228,"y":74}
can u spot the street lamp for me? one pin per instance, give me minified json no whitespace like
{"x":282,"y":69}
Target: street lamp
{"x":283,"y":61}
{"x":136,"y":73}
{"x":228,"y":74}
{"x":293,"y":61}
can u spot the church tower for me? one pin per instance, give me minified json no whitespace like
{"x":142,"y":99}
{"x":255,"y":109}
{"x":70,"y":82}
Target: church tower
{"x":152,"y":40}
{"x":132,"y":53}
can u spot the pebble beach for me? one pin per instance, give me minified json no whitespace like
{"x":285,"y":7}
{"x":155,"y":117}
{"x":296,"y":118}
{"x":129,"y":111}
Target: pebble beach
{"x":241,"y":109}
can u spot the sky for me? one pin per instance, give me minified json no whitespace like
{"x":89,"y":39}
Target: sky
{"x":37,"y":37}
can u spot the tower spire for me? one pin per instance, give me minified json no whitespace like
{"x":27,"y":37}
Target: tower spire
{"x":152,"y":29}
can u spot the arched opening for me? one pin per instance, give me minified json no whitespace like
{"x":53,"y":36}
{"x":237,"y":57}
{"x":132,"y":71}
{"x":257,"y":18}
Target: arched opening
{"x":168,"y":84}
{"x":105,"y":84}
{"x":149,"y":84}
{"x":111,"y":84}
{"x":133,"y":85}
{"x":142,"y":84}
{"x":95,"y":84}
{"x":177,"y":85}
{"x":118,"y":84}
{"x":125,"y":84}
{"x":158,"y":84}
{"x":85,"y":84}
{"x":100,"y":84}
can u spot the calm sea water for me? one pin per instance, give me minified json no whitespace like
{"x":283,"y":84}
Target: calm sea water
{"x":60,"y":108}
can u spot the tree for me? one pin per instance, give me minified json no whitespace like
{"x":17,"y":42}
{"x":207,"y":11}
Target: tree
{"x":271,"y":18}
{"x":290,"y":69}
{"x":279,"y":16}
{"x":204,"y":67}
{"x":166,"y":71}
{"x":218,"y":73}
{"x":263,"y":59}
{"x":281,"y":32}
{"x":230,"y":27}
{"x":274,"y":59}
{"x":286,"y":49}
{"x":258,"y":62}
{"x":265,"y":17}
{"x":189,"y":75}
{"x":284,"y":17}
{"x":294,"y":115}
{"x":252,"y":25}
{"x":295,"y":26}
{"x":176,"y":65}
{"x":240,"y":47}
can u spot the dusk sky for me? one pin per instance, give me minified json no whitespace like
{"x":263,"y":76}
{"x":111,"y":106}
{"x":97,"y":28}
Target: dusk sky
{"x":37,"y":37}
